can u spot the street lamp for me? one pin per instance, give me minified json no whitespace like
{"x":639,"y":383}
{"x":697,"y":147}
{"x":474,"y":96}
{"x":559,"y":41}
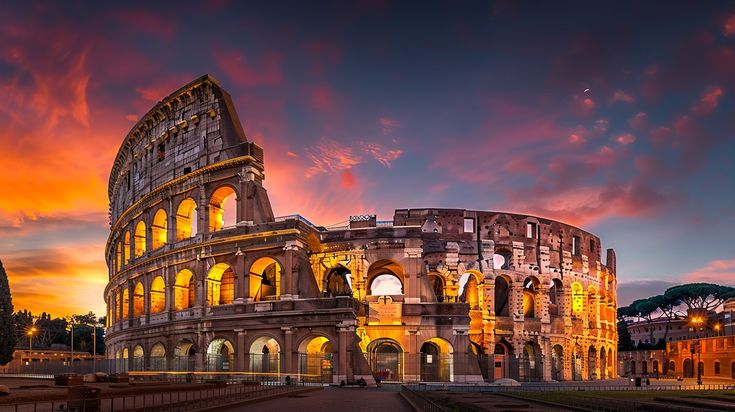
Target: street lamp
{"x":31,"y":331}
{"x":697,"y":321}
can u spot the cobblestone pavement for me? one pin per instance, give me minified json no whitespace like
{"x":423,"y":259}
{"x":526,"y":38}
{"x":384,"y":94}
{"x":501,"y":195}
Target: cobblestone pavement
{"x":333,"y":399}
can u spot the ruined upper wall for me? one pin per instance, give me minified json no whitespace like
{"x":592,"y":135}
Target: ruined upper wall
{"x":193,"y":127}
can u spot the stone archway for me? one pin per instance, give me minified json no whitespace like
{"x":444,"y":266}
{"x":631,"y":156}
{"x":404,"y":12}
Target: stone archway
{"x":386,"y":360}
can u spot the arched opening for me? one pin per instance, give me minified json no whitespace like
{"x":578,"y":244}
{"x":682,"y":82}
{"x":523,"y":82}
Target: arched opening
{"x":592,"y":363}
{"x":118,"y":257}
{"x":557,"y":363}
{"x":530,"y":296}
{"x":556,"y":297}
{"x":125,"y":303}
{"x":603,"y":363}
{"x":184,"y":290}
{"x":632,"y":368}
{"x":125,"y":360}
{"x":501,"y":296}
{"x":688,"y":369}
{"x":577,"y":300}
{"x":644,"y":367}
{"x":184,"y":359}
{"x":502,"y":259}
{"x":338,"y":282}
{"x":700,"y":369}
{"x":265,"y":355}
{"x":220,"y":285}
{"x":138,"y":358}
{"x":220,"y":355}
{"x":126,"y":247}
{"x":531,"y":363}
{"x":502,"y":356}
{"x":610,"y":365}
{"x":265,"y":279}
{"x":316,"y":357}
{"x":222,"y":209}
{"x":386,"y":360}
{"x":672,"y":368}
{"x":158,"y":295}
{"x":158,"y":357}
{"x":186,"y":219}
{"x":385,"y":278}
{"x":655,"y":367}
{"x":436,"y":361}
{"x":139,"y":239}
{"x":159,"y":230}
{"x":469,"y":290}
{"x":386,"y":284}
{"x":577,"y":362}
{"x":437,"y":286}
{"x":117,"y":308}
{"x":138,"y":300}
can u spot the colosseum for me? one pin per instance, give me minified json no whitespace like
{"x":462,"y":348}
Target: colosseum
{"x":204,"y":278}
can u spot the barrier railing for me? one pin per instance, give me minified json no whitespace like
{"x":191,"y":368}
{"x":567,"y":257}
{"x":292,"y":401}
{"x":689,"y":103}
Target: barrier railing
{"x":563,"y":388}
{"x":175,"y":399}
{"x":420,"y":401}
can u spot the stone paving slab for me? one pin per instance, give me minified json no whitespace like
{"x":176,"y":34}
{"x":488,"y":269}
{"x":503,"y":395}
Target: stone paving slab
{"x":333,"y":399}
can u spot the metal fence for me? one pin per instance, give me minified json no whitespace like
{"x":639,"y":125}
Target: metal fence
{"x":419,"y":401}
{"x":163,"y":400}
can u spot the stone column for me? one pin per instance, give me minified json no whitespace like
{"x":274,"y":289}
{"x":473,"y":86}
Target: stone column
{"x":242,"y":278}
{"x":288,"y":351}
{"x":131,"y":302}
{"x":413,"y":270}
{"x":346,"y":331}
{"x":147,"y":299}
{"x":240,"y":351}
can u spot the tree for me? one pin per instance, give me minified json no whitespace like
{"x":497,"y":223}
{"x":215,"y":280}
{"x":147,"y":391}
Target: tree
{"x":625,"y":343}
{"x":7,"y":328}
{"x":700,"y":296}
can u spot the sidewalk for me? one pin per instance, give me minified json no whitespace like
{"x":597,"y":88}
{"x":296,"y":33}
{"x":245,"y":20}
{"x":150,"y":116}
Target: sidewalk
{"x":332,"y":398}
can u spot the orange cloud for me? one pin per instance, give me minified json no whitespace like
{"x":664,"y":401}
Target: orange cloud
{"x":708,"y":102}
{"x":720,"y":271}
{"x":625,"y":139}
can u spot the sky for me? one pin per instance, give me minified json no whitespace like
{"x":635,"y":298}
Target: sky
{"x":617,"y":117}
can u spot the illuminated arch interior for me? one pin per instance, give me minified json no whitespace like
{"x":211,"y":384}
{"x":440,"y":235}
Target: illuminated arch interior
{"x":339,"y":282}
{"x":126,"y":247}
{"x":184,"y":290}
{"x":158,"y":351}
{"x":577,"y":299}
{"x":265,"y":279}
{"x":118,"y":256}
{"x":186,"y":219}
{"x":556,"y":296}
{"x":125,"y":303}
{"x":220,"y":285}
{"x":222,"y":347}
{"x":138,"y":352}
{"x":158,"y":295}
{"x":139,"y":239}
{"x":159,"y":229}
{"x":222,"y":209}
{"x":184,"y":349}
{"x":530,"y":296}
{"x":319,"y":344}
{"x":469,"y":290}
{"x":385,"y":278}
{"x":138,"y":300}
{"x":265,"y":345}
{"x":437,"y":286}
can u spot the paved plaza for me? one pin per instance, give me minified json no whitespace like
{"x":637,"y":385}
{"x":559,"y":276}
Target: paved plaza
{"x":331,"y":398}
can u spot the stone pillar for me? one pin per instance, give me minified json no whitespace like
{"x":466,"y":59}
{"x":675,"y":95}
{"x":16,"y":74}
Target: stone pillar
{"x":546,"y":350}
{"x":131,"y":302}
{"x":346,"y":331}
{"x":169,"y":280}
{"x":147,"y":299}
{"x":290,"y":283}
{"x":288,"y":350}
{"x":240,"y":350}
{"x":413,"y":270}
{"x":242,"y":279}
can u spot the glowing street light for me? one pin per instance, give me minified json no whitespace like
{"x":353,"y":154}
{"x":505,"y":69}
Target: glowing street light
{"x":31,"y":331}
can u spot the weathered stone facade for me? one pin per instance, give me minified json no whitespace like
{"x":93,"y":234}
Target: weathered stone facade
{"x":204,"y":277}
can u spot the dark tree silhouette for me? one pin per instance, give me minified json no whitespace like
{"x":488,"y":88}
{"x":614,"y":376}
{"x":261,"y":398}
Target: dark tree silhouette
{"x":7,"y":328}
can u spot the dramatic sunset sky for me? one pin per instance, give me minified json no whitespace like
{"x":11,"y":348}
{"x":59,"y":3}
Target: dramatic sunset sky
{"x":373,"y":106}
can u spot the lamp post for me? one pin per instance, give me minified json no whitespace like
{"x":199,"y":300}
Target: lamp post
{"x":697,"y":321}
{"x":31,"y":331}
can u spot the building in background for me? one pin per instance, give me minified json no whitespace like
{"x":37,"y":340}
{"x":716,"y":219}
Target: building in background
{"x":204,"y":277}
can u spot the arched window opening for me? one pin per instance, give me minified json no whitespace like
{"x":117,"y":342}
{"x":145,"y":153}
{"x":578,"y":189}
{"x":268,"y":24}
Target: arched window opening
{"x":339,"y":282}
{"x":184,"y":290}
{"x":126,"y":247}
{"x":125,"y":303}
{"x":138,"y":300}
{"x":385,"y":277}
{"x":186,"y":219}
{"x":158,"y":295}
{"x":717,"y":368}
{"x":502,"y":359}
{"x":437,"y":286}
{"x":386,"y":284}
{"x":265,"y":355}
{"x":577,"y":299}
{"x":502,"y":259}
{"x":265,"y":279}
{"x":531,"y":367}
{"x":220,"y":285}
{"x":315,"y":357}
{"x":158,"y":357}
{"x":222,"y":209}
{"x":184,"y":356}
{"x":556,"y":297}
{"x":592,"y":363}
{"x":138,"y":358}
{"x":530,"y":296}
{"x":118,"y":257}
{"x":386,"y":359}
{"x":557,"y":363}
{"x":436,"y":361}
{"x":469,"y":290}
{"x":116,"y":311}
{"x":501,"y":296}
{"x":603,"y":363}
{"x":159,"y":228}
{"x":139,"y":239}
{"x":220,"y":355}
